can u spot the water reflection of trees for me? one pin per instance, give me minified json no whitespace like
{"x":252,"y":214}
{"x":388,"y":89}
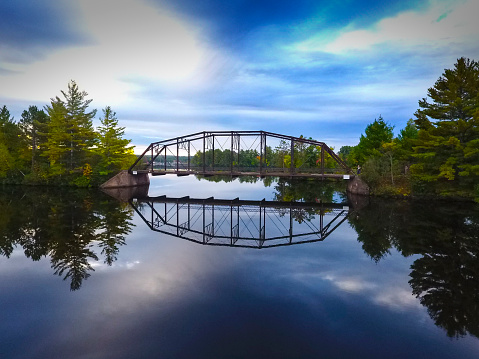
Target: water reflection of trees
{"x":290,"y":189}
{"x":446,"y":235}
{"x":68,"y":226}
{"x":294,"y":190}
{"x":307,"y":190}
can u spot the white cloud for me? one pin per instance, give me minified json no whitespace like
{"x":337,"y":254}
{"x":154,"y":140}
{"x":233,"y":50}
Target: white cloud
{"x":442,"y":25}
{"x":350,"y":284}
{"x":397,"y":299}
{"x":129,"y":40}
{"x":130,"y":265}
{"x":394,"y":297}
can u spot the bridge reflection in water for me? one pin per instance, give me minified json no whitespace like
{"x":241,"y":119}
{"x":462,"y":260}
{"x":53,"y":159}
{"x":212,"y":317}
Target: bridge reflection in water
{"x":241,"y":223}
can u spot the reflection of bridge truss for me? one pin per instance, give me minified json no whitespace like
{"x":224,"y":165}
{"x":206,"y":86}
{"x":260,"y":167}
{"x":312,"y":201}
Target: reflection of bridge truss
{"x":237,"y":223}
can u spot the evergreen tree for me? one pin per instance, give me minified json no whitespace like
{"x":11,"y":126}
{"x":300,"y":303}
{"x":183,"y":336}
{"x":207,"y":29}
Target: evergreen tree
{"x":5,"y":117}
{"x":113,"y":149}
{"x":58,"y":138}
{"x":9,"y":142}
{"x":6,"y":159}
{"x":448,"y":140}
{"x":71,"y":117}
{"x":454,"y":101}
{"x":344,"y":153}
{"x":8,"y":129}
{"x":406,"y":140}
{"x":33,"y":125}
{"x":375,"y":135}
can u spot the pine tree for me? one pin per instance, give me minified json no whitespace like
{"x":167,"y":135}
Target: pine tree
{"x":9,"y":142}
{"x":448,"y":140}
{"x":58,"y":138}
{"x":454,"y":101}
{"x":113,"y":149}
{"x":33,"y":125}
{"x":70,"y":131}
{"x":406,"y":140}
{"x":375,"y":135}
{"x":9,"y":129}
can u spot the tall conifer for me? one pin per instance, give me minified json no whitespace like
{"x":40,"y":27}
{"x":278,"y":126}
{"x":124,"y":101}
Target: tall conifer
{"x":112,"y":148}
{"x":70,"y":115}
{"x":33,"y":125}
{"x":448,"y":140}
{"x":9,"y":142}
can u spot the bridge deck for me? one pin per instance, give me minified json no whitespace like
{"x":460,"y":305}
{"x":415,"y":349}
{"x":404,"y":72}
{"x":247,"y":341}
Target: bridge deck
{"x":243,"y":173}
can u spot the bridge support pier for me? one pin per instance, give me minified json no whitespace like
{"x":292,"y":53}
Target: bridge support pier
{"x":358,"y":186}
{"x":126,"y":179}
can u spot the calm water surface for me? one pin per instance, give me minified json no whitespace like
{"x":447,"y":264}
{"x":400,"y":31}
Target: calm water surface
{"x":83,"y":275}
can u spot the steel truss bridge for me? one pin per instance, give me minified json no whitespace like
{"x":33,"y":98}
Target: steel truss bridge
{"x":240,"y":223}
{"x":241,"y":153}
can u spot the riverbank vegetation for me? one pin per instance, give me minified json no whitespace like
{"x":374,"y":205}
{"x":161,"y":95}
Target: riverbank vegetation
{"x":58,"y":145}
{"x":305,"y":156}
{"x":437,"y":153}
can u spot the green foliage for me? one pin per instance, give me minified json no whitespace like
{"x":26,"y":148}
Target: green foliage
{"x":279,"y":155}
{"x":373,"y":170}
{"x":406,"y":140}
{"x":438,"y":153}
{"x":305,"y":190}
{"x":306,"y":156}
{"x":344,"y":154}
{"x":454,"y":100}
{"x":113,"y":150}
{"x":58,"y":138}
{"x":6,"y":159}
{"x":10,"y":144}
{"x":375,"y":135}
{"x":33,"y":125}
{"x":58,"y":146}
{"x":70,"y":133}
{"x":447,"y":145}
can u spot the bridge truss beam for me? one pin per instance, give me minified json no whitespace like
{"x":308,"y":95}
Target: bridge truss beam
{"x":238,"y":153}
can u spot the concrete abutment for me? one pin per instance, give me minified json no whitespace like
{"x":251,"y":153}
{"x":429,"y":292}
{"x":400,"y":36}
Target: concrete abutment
{"x":126,"y":179}
{"x":358,"y":187}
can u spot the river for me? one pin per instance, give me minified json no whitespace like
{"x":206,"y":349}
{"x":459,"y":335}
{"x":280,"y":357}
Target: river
{"x":178,"y":275}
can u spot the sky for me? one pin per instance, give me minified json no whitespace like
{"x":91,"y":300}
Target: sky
{"x":322,"y":69}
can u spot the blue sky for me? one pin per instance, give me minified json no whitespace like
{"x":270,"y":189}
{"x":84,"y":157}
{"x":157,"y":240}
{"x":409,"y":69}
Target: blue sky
{"x":323,"y":69}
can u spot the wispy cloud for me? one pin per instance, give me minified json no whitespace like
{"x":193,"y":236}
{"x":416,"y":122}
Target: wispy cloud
{"x":310,"y":67}
{"x":30,"y":30}
{"x":128,"y":39}
{"x":445,"y":25}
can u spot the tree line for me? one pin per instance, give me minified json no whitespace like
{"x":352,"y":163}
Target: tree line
{"x":435,"y":154}
{"x":304,"y":156}
{"x":59,"y":145}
